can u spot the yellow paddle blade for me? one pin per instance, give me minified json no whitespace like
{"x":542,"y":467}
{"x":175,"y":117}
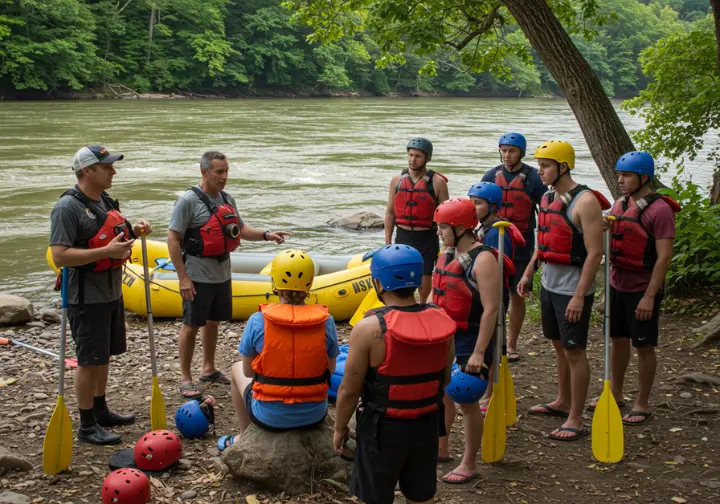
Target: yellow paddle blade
{"x":494,"y":434}
{"x":370,"y":302}
{"x":158,"y":417}
{"x":506,"y":383}
{"x":608,"y":443}
{"x":57,"y":446}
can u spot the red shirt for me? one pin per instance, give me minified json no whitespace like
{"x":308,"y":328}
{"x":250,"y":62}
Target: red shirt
{"x":659,"y":220}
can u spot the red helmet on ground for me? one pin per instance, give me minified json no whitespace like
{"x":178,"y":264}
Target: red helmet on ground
{"x":126,"y":486}
{"x":157,"y":450}
{"x":457,"y":212}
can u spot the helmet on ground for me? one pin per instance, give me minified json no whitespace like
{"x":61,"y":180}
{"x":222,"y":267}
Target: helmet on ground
{"x":337,"y":376}
{"x":422,"y":144}
{"x":557,"y":150}
{"x":126,"y":486}
{"x":515,"y":139}
{"x":457,"y":212}
{"x":193,"y":420}
{"x":157,"y":450}
{"x":292,"y":270}
{"x":465,"y":388}
{"x":639,"y":162}
{"x":397,"y":267}
{"x":488,"y":191}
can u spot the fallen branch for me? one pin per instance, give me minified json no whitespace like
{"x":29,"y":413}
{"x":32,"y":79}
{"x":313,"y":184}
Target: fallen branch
{"x":701,"y":411}
{"x":711,"y":330}
{"x":697,"y":378}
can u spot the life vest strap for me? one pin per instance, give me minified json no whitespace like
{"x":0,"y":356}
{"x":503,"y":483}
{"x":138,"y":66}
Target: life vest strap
{"x":382,"y":379}
{"x":293,"y":382}
{"x":385,"y":403}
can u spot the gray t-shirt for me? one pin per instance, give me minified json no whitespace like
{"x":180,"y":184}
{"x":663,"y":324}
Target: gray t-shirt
{"x":71,"y":224}
{"x":189,"y":212}
{"x":562,"y":278}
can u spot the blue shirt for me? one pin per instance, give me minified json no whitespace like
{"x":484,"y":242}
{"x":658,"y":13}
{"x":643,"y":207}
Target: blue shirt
{"x":535,"y":189}
{"x":276,"y":413}
{"x":492,"y":239}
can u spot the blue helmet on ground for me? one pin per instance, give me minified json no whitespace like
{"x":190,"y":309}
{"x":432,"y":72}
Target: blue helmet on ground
{"x":193,"y":420}
{"x":639,"y":162}
{"x":487,"y":191}
{"x":397,"y":267}
{"x":515,"y":139}
{"x":339,"y":372}
{"x":465,"y":388}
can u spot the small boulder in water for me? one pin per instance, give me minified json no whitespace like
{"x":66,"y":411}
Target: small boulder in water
{"x":358,"y":221}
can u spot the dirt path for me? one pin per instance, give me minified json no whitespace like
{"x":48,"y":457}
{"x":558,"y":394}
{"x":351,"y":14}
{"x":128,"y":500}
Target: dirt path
{"x":673,"y":458}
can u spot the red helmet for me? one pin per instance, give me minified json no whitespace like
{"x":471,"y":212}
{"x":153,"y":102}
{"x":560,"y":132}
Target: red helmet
{"x":126,"y":486}
{"x":457,"y":212}
{"x":157,"y":450}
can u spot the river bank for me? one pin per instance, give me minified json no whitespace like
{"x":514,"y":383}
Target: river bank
{"x":674,"y":456}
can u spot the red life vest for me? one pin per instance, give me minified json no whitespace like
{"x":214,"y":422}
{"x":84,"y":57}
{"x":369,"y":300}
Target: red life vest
{"x":632,"y":247}
{"x":415,"y":202}
{"x":410,"y":381}
{"x":213,"y":239}
{"x":455,"y":292}
{"x":517,"y":206}
{"x":293,"y":364}
{"x":518,"y":240}
{"x":559,"y":240}
{"x":109,"y":225}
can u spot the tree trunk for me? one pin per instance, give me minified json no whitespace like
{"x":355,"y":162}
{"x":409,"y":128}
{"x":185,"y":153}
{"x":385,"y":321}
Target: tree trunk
{"x":150,"y":33}
{"x":715,"y":189}
{"x":715,"y":4}
{"x":604,"y":132}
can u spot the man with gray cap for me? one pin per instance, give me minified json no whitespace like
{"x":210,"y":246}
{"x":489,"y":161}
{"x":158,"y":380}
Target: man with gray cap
{"x":90,"y":237}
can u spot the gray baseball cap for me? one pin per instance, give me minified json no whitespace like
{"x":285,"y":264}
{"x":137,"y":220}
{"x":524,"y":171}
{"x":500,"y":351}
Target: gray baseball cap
{"x":88,"y":156}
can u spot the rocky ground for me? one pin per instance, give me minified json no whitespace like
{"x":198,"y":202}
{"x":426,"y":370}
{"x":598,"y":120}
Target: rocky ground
{"x":673,"y":458}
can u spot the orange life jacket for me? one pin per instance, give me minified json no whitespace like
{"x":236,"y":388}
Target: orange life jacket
{"x":410,"y":381}
{"x":293,"y":364}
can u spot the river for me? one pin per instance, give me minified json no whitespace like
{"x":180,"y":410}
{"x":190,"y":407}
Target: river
{"x":294,"y":163}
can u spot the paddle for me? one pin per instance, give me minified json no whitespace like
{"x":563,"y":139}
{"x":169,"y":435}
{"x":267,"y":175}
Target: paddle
{"x":71,"y":363}
{"x":607,"y":427}
{"x":57,"y":445}
{"x":158,"y":416}
{"x":370,"y":302}
{"x":506,"y":381}
{"x":494,"y":435}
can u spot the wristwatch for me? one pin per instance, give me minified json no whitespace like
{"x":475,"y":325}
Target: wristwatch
{"x":265,"y":234}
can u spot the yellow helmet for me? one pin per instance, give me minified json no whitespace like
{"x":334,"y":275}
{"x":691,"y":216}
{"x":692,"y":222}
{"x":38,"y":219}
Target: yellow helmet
{"x":292,"y":270}
{"x":557,"y":150}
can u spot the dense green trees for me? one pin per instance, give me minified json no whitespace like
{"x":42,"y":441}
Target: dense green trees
{"x":257,"y":45}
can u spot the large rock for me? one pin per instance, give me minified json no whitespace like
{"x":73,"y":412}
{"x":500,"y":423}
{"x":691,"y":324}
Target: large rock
{"x":10,"y":462}
{"x":15,"y":309}
{"x":286,"y":461}
{"x":360,"y":220}
{"x":8,"y":497}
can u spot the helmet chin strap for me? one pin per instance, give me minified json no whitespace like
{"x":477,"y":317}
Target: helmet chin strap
{"x":642,"y":184}
{"x":560,"y":175}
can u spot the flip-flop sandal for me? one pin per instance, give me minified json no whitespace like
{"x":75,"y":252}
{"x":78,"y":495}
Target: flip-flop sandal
{"x":190,"y":387}
{"x":465,"y":477}
{"x":593,"y":404}
{"x":511,"y":358}
{"x":579,"y":433}
{"x":216,"y":377}
{"x":224,"y":442}
{"x":549,"y":411}
{"x":645,"y":414}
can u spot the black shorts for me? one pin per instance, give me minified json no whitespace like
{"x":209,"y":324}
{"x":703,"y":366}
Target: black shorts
{"x":556,"y":327}
{"x":425,"y":242}
{"x":488,"y":357}
{"x":519,"y":272}
{"x":248,"y":397}
{"x":624,"y":324}
{"x":212,"y":302}
{"x":98,"y":331}
{"x":402,"y":451}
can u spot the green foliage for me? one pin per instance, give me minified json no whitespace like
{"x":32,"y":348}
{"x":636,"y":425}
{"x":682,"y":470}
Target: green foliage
{"x":696,"y":256}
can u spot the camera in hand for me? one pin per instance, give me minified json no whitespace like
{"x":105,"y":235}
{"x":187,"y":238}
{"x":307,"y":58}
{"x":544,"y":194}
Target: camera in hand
{"x":232,"y":231}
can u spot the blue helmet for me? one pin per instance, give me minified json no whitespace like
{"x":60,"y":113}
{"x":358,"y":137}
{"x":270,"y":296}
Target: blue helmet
{"x":337,"y":376}
{"x":516,"y":139}
{"x":639,"y":162}
{"x":487,"y":191}
{"x":192,"y":420}
{"x":465,"y":388}
{"x":397,"y":267}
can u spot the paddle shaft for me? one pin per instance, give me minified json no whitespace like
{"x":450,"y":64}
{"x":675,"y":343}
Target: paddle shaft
{"x":63,"y":330}
{"x":148,"y":305}
{"x":606,"y":315}
{"x":500,"y":334}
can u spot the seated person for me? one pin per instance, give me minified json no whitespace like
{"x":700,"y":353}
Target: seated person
{"x":289,"y":351}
